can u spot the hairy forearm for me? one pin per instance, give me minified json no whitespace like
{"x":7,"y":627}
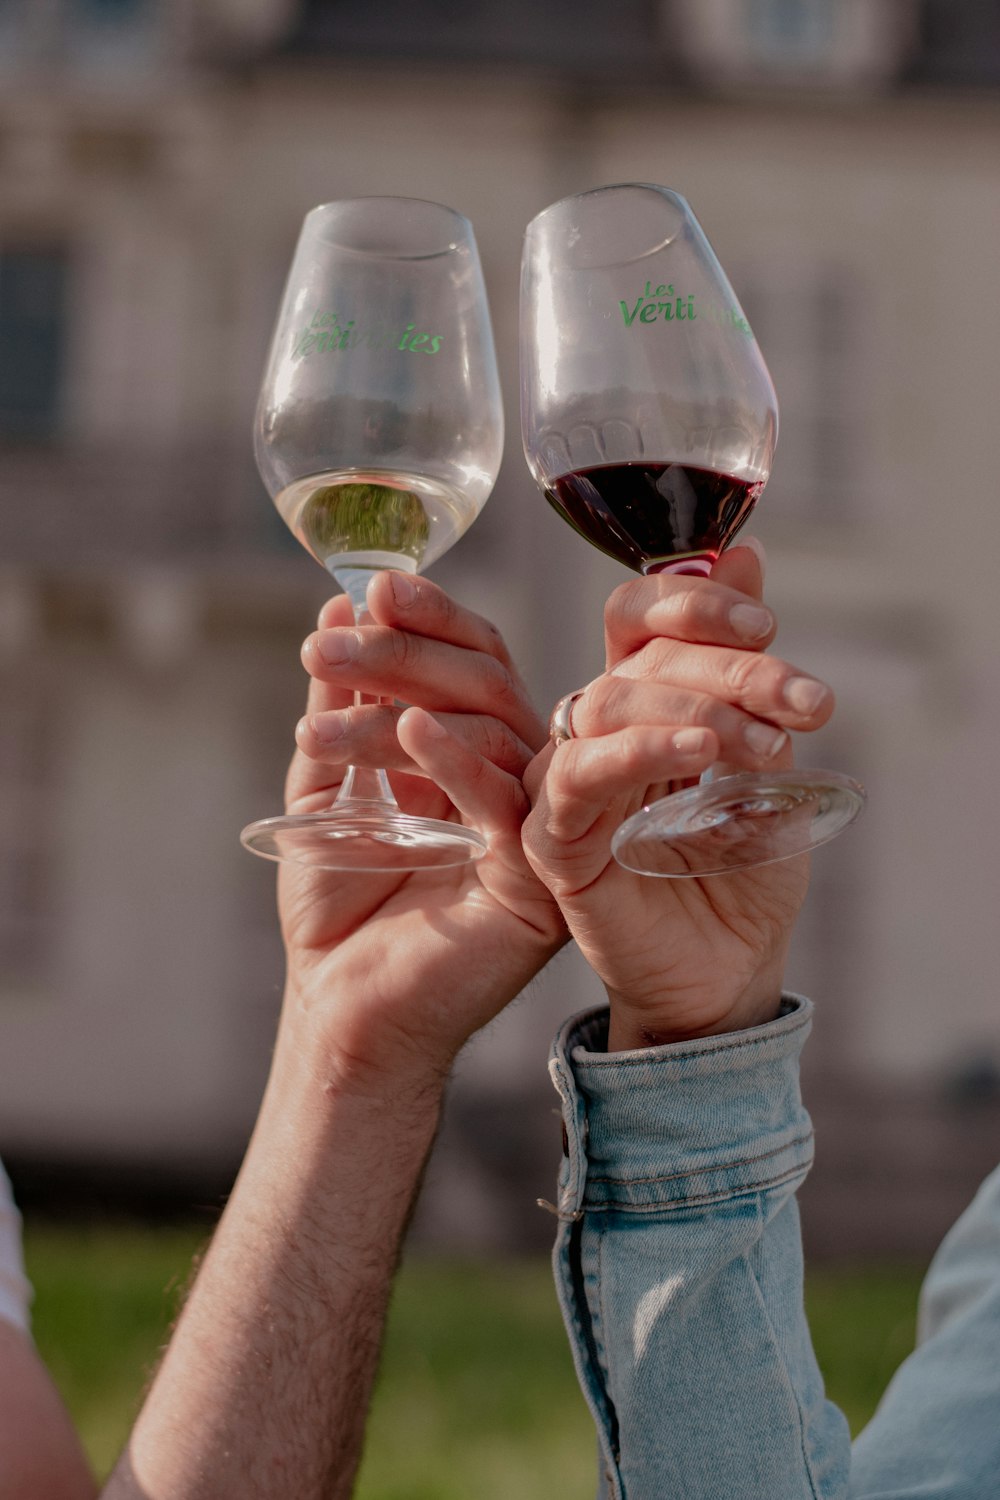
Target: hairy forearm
{"x":264,"y":1389}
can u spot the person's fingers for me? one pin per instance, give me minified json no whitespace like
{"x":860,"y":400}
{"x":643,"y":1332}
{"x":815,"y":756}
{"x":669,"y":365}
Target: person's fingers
{"x":414,"y":657}
{"x":327,"y":697}
{"x":584,"y":776}
{"x":336,"y":611}
{"x":416,"y":605}
{"x":366,"y":735}
{"x":615,"y":703}
{"x":307,"y":779}
{"x":388,"y":663}
{"x":487,"y":797}
{"x":324,"y":696}
{"x":701,"y":610}
{"x":420,"y":646}
{"x":411,"y":603}
{"x":758,"y":684}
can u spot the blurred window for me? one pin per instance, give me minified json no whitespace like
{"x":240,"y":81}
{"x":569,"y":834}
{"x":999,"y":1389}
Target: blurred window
{"x":960,"y":43}
{"x":830,"y":946}
{"x":111,"y":33}
{"x":24,"y":31}
{"x":764,"y":43}
{"x":74,"y":30}
{"x":33,"y":310}
{"x":565,"y":35}
{"x":25,"y":833}
{"x":811,"y":319}
{"x":790,"y":30}
{"x":109,"y":11}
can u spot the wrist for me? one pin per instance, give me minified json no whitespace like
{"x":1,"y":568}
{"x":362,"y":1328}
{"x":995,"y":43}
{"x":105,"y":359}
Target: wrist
{"x":355,"y":1052}
{"x":682,"y":1125}
{"x":675,"y":1018}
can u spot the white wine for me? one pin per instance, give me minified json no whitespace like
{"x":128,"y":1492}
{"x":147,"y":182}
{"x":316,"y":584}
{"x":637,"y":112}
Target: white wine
{"x":352,"y":518}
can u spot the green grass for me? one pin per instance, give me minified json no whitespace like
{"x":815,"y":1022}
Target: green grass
{"x":477,"y":1394}
{"x":863,"y":1324}
{"x":105,"y":1299}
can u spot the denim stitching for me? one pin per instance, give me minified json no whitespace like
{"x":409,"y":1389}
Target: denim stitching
{"x":723,"y":1166}
{"x":624,"y":1060}
{"x":614,"y":1440}
{"x":668,"y":1205}
{"x":602,"y":1406}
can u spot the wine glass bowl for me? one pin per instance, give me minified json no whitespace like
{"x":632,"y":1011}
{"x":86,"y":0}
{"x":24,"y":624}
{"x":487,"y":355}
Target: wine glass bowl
{"x":378,"y":434}
{"x":650,"y":422}
{"x":638,"y":353}
{"x":382,"y":372}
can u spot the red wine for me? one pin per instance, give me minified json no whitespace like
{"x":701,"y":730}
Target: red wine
{"x":646,"y":515}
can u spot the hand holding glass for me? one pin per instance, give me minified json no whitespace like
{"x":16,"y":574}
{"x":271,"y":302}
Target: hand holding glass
{"x":378,"y":434}
{"x":649,"y":422}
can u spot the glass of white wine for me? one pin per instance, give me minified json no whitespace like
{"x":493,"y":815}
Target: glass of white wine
{"x":378,"y":434}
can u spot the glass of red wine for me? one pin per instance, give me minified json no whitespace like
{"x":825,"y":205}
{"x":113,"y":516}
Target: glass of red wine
{"x":649,"y":423}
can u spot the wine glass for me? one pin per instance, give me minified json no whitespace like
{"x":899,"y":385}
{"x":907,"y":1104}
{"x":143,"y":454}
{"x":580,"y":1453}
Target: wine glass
{"x":378,"y":434}
{"x":649,"y":423}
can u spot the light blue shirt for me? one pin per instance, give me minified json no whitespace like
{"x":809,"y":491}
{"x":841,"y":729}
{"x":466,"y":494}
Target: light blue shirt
{"x":15,"y":1292}
{"x":679,"y":1269}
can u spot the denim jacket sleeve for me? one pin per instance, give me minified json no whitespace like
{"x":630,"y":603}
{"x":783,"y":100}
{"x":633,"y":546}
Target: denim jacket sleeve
{"x":679,"y":1265}
{"x":679,"y":1268}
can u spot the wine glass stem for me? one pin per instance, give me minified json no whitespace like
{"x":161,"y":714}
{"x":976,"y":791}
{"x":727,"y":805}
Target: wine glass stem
{"x":700,"y":567}
{"x":362,"y":783}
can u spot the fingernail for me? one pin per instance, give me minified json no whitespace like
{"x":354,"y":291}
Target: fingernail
{"x":763,"y":740}
{"x":404,"y":590}
{"x":805,"y":694}
{"x":327,"y":727}
{"x":338,"y":646}
{"x":690,"y":741}
{"x":751,"y":622}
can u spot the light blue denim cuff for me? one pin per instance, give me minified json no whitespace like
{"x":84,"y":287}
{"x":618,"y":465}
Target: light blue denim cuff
{"x":691,"y":1123}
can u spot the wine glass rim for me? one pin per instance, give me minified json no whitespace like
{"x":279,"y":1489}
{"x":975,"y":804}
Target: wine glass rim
{"x":464,"y":236}
{"x":559,"y":217}
{"x":609,"y":187}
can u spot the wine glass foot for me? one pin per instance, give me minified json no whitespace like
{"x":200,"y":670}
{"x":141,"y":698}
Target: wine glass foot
{"x":737,"y":823}
{"x":364,"y":837}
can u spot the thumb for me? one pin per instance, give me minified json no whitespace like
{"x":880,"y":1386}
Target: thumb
{"x":742,"y":567}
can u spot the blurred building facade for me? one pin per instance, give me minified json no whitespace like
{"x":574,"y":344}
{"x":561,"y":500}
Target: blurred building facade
{"x":156,"y":160}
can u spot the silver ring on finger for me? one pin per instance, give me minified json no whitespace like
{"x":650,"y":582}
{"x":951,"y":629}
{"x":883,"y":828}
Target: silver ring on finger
{"x":561,"y":721}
